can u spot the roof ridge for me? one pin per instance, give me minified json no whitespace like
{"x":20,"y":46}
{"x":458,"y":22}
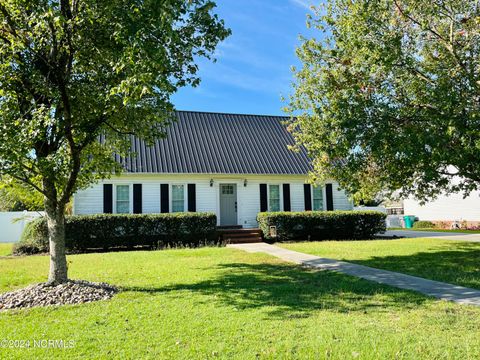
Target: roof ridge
{"x":229,"y":113}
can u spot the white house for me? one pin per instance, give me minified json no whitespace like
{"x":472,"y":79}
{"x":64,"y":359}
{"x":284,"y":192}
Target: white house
{"x":234,"y":165}
{"x":447,"y":208}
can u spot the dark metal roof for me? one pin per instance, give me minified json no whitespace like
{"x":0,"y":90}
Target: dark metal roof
{"x":217,"y":143}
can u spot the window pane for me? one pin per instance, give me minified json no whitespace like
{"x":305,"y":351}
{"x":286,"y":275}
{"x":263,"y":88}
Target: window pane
{"x":177,"y":206}
{"x":317,"y":198}
{"x":227,"y":189}
{"x":123,"y":207}
{"x":178,"y":202}
{"x":274,"y":197}
{"x":123,"y":199}
{"x":122,"y":192}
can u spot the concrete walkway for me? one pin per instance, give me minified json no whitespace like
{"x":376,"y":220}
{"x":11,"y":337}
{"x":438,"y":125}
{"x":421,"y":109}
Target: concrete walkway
{"x":434,"y":235}
{"x":440,"y":290}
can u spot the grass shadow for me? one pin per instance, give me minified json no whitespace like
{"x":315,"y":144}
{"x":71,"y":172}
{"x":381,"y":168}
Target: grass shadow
{"x":291,"y":291}
{"x":457,"y":263}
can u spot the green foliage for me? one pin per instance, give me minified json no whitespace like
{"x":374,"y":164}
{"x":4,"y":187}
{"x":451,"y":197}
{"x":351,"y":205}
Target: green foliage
{"x":16,"y":196}
{"x":390,"y":91}
{"x":34,"y":238}
{"x":79,"y":78}
{"x":322,"y":225}
{"x":124,"y":231}
{"x":72,"y":71}
{"x":423,"y":225}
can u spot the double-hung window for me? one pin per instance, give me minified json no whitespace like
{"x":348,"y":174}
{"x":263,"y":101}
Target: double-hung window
{"x":123,"y":199}
{"x":274,"y":197}
{"x":317,"y":198}
{"x":178,"y":198}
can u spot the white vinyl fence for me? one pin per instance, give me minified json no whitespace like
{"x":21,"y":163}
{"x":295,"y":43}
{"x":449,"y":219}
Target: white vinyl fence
{"x":370,"y":208}
{"x":395,"y":221}
{"x":13,"y":222}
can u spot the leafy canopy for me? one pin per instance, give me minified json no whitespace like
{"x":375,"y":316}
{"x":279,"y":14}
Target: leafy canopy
{"x":16,"y":196}
{"x":390,"y":90}
{"x":74,"y":70}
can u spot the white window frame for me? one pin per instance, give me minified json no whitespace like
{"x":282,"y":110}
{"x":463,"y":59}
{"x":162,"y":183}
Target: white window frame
{"x":324,"y":194}
{"x":130,"y":198}
{"x":280,"y":192}
{"x":184,"y":196}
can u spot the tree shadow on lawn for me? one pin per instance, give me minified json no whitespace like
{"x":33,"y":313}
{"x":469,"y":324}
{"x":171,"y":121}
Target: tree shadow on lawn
{"x":292,"y":291}
{"x":451,"y":263}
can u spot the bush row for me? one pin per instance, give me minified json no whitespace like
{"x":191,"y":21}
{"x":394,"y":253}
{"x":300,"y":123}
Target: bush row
{"x":424,"y":225}
{"x":107,"y":231}
{"x":322,"y":225}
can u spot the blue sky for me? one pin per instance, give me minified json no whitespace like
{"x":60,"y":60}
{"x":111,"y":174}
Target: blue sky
{"x":252,"y":71}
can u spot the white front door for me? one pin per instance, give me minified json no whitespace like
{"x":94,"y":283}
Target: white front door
{"x":228,"y":204}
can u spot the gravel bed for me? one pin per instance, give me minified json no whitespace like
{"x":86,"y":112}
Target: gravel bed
{"x":43,"y":294}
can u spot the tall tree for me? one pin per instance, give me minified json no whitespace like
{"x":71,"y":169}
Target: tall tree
{"x":391,"y":89}
{"x":74,"y":71}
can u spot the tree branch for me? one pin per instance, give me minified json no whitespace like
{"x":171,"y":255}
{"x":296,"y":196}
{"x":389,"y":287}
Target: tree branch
{"x":28,"y":182}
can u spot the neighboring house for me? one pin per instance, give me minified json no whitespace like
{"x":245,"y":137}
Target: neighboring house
{"x":447,"y":208}
{"x":234,"y":165}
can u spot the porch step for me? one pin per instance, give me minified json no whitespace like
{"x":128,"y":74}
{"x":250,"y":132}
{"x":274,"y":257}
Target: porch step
{"x":229,"y":227}
{"x":245,"y":240}
{"x":241,"y":236}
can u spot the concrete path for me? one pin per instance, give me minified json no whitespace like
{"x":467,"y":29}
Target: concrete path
{"x":440,"y":290}
{"x":434,"y":235}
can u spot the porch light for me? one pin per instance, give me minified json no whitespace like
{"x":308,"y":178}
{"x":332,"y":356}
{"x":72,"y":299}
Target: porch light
{"x":245,"y":183}
{"x":211,"y":182}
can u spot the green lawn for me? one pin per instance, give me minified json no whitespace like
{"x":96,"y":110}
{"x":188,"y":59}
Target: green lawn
{"x":440,"y":230}
{"x":5,"y":249}
{"x":455,"y":262}
{"x":219,"y":303}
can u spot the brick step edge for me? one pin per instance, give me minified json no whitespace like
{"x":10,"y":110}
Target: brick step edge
{"x":237,"y":235}
{"x":244,"y":240}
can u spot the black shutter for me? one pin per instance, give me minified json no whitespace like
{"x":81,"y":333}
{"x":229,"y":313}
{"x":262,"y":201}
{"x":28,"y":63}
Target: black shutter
{"x":164,"y":198}
{"x":263,"y":198}
{"x":192,"y":201}
{"x":329,"y":192}
{"x":137,"y":198}
{"x":107,"y":198}
{"x":307,"y":196}
{"x":286,"y":197}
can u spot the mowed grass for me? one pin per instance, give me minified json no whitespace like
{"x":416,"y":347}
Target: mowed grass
{"x":463,"y":231}
{"x":220,"y":303}
{"x":456,"y":262}
{"x":5,"y":249}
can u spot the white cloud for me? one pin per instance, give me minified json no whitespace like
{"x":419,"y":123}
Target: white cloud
{"x":264,"y":83}
{"x":302,"y":3}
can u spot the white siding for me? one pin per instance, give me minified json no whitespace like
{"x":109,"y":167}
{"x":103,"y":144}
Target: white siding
{"x":446,"y":208}
{"x":340,"y":198}
{"x":90,"y":201}
{"x":150,"y":197}
{"x":296,"y":196}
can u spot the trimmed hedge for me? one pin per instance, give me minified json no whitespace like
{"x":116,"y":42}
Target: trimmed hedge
{"x":322,"y":225}
{"x":107,"y":231}
{"x":423,"y":225}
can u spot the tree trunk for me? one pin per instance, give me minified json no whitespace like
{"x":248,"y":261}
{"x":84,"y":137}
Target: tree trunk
{"x":56,"y":238}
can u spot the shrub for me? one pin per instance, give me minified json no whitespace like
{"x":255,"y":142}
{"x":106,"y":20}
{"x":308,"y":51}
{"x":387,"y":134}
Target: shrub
{"x":322,"y":225}
{"x":107,"y":231}
{"x":34,"y":238}
{"x":423,"y":225}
